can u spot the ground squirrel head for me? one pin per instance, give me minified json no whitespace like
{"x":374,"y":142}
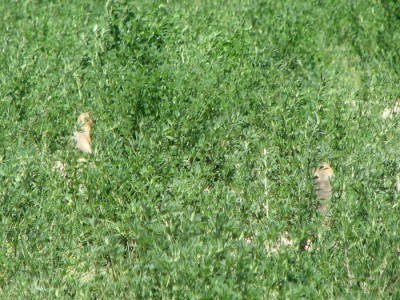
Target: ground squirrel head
{"x":324,"y":172}
{"x":84,"y":119}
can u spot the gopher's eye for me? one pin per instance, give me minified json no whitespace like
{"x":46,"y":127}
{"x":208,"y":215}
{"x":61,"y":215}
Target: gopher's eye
{"x":321,"y":168}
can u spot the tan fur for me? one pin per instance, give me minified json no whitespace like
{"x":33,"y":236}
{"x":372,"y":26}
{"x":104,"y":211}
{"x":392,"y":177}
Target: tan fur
{"x":323,"y":188}
{"x":390,"y":112}
{"x":82,"y":137}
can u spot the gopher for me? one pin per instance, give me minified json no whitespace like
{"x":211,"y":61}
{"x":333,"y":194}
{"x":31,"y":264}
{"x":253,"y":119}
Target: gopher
{"x":82,"y":137}
{"x":323,"y":188}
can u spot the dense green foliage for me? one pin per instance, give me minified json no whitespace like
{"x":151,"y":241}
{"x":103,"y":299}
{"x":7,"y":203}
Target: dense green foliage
{"x":209,"y":118}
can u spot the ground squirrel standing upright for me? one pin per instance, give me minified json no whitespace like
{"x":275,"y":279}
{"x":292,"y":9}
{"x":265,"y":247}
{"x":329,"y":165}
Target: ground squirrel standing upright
{"x":82,"y":137}
{"x":323,"y":188}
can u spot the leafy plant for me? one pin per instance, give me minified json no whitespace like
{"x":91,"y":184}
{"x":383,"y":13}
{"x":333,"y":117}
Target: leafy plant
{"x":209,"y":117}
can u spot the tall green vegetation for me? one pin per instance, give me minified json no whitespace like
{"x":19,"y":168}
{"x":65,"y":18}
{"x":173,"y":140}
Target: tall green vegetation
{"x":208,"y":119}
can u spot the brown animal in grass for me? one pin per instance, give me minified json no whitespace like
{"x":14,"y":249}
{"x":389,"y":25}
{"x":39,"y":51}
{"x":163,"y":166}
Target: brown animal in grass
{"x":82,"y":137}
{"x":323,"y":189}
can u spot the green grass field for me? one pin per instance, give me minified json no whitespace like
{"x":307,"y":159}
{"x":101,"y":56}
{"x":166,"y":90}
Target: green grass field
{"x":209,"y":117}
